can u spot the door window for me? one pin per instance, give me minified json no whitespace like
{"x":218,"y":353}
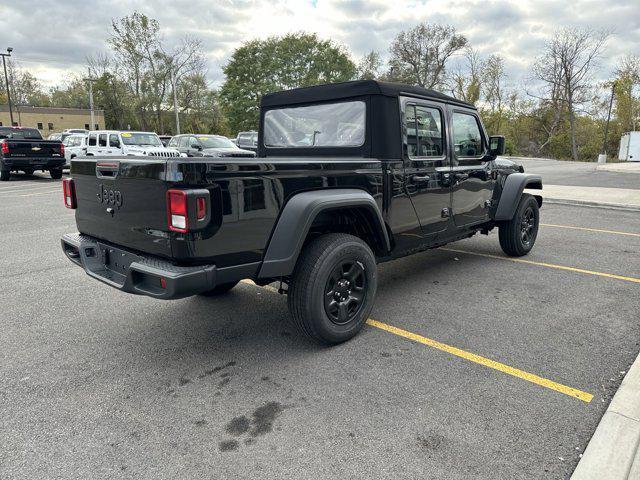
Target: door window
{"x":467,"y":138}
{"x":92,"y":140}
{"x":424,"y":131}
{"x":102,"y":140}
{"x":114,"y":141}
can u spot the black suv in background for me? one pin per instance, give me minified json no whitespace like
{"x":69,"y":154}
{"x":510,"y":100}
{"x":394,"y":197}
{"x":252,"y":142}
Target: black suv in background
{"x":193,"y":145}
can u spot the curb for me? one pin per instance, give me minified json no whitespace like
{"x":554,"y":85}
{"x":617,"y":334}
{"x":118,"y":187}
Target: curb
{"x":582,"y":203}
{"x":613,"y":452}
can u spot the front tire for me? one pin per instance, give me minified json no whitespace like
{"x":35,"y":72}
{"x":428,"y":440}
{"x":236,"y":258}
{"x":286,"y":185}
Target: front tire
{"x":518,"y":235}
{"x":333,"y":288}
{"x":56,"y":173}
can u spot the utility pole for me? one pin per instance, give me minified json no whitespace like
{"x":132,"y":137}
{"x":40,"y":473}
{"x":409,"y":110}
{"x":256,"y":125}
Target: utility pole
{"x":91,"y":80}
{"x":6,"y":79}
{"x":175,"y":100}
{"x":602,"y":158}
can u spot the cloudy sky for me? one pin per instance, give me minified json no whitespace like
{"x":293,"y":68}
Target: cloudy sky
{"x":53,"y":38}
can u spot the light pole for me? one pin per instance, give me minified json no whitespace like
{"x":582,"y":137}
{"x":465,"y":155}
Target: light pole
{"x":6,"y":79}
{"x":602,"y":158}
{"x":175,"y":100}
{"x":91,"y":80}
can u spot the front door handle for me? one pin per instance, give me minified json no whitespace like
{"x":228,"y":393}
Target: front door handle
{"x":421,"y":178}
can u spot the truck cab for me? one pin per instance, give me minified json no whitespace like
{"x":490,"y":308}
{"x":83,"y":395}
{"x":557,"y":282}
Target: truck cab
{"x":347,"y":176}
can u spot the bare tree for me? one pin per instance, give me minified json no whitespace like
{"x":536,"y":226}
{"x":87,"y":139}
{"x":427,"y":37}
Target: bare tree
{"x":465,"y":82}
{"x":420,"y":55}
{"x":565,"y":67}
{"x":369,"y":66}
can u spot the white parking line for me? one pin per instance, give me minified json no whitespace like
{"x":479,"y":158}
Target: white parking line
{"x":24,"y":188}
{"x":31,"y":194}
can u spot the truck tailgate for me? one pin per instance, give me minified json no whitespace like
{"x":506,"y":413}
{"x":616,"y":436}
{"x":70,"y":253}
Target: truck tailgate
{"x":33,"y":148}
{"x":123,"y":201}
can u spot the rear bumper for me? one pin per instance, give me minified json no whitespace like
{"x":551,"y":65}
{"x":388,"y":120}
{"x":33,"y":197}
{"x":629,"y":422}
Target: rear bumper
{"x":36,"y":163}
{"x":137,"y":273}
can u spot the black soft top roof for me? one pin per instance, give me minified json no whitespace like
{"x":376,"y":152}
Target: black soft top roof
{"x":358,"y":88}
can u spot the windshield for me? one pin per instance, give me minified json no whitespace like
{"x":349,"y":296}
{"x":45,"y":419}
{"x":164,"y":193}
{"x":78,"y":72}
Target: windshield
{"x":141,"y":139}
{"x":215,"y":142}
{"x":328,"y":125}
{"x":20,"y":133}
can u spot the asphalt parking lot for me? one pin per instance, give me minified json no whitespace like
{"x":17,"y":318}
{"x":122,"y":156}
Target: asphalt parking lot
{"x":473,"y":365}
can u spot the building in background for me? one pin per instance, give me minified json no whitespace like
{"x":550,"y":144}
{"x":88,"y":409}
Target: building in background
{"x":51,"y":119}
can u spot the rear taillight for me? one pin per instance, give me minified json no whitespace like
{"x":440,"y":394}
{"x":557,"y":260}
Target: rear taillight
{"x":177,"y":210}
{"x":62,"y":149}
{"x":69,"y":192}
{"x":5,"y":146}
{"x":187,"y":210}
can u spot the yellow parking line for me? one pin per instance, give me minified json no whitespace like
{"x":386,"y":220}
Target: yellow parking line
{"x":472,"y":357}
{"x":548,"y":265}
{"x":596,"y":230}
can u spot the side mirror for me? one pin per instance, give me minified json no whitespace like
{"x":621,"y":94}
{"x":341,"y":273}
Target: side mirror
{"x":496,"y":145}
{"x":195,"y":146}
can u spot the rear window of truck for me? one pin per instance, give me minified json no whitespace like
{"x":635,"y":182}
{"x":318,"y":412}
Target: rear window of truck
{"x":20,"y":133}
{"x":323,"y":125}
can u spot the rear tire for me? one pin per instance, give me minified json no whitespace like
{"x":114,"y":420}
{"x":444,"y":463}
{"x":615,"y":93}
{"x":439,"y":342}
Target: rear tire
{"x":219,"y":290}
{"x":518,"y":235}
{"x":5,"y":175}
{"x":333,"y":288}
{"x":56,"y":173}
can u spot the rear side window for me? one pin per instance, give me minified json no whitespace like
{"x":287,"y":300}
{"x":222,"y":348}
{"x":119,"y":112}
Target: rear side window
{"x":92,"y":140}
{"x":102,"y":140}
{"x":314,"y":126}
{"x":467,"y":138}
{"x":424,"y":131}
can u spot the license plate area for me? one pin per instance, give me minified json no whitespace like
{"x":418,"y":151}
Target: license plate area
{"x":116,"y":260}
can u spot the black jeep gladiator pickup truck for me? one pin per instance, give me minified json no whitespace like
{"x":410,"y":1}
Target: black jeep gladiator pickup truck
{"x":23,"y":148}
{"x":348,"y":175}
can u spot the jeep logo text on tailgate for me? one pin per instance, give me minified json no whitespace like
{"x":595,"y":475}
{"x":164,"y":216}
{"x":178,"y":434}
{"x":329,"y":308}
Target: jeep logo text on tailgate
{"x":109,"y":196}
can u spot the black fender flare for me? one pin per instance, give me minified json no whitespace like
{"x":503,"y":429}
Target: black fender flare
{"x":512,"y":189}
{"x":296,"y":219}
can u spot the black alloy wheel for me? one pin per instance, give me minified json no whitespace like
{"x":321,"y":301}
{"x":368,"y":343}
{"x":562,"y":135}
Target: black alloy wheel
{"x":345,"y":292}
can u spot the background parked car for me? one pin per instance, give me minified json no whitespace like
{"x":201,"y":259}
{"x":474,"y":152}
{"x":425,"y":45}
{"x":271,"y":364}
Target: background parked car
{"x":114,"y":142}
{"x":55,"y":136}
{"x":74,"y":146}
{"x":192,"y":145}
{"x":23,"y":149}
{"x":248,"y":140}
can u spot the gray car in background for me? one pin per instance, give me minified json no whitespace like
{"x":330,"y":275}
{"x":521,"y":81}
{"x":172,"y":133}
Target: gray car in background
{"x":193,"y":145}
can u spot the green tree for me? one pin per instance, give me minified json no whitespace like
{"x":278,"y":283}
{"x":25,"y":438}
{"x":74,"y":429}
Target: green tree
{"x":259,"y":67}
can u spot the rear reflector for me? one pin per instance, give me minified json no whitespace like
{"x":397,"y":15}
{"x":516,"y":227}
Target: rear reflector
{"x":69,"y":192}
{"x":201,"y":208}
{"x":177,"y":210}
